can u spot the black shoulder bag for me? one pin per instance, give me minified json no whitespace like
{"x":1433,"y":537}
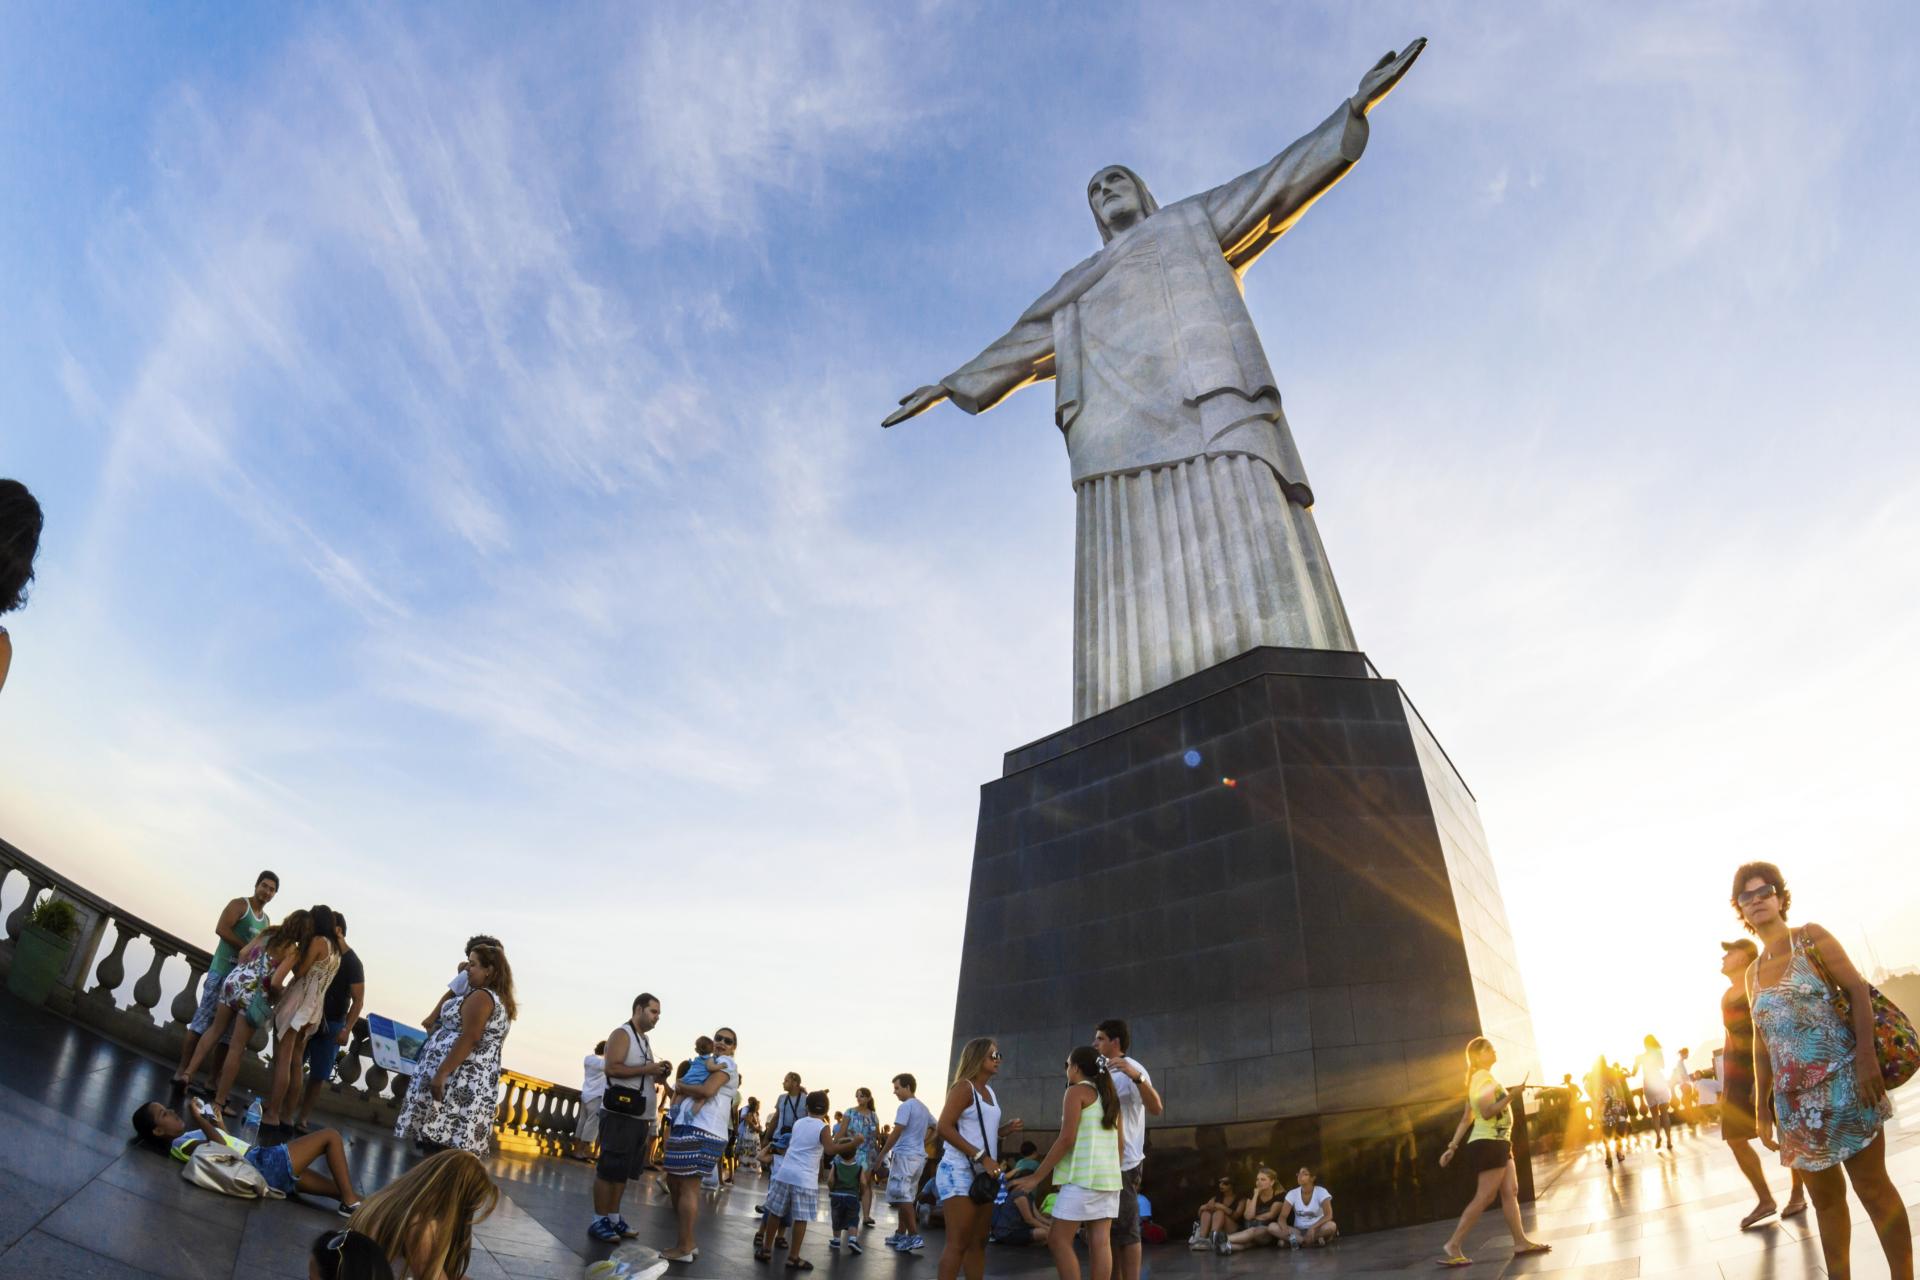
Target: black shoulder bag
{"x":985,"y":1186}
{"x":623,"y":1098}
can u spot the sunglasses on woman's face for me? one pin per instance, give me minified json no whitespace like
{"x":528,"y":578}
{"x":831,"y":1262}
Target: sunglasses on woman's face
{"x":994,"y":1054}
{"x":723,"y":1040}
{"x":1761,"y":894}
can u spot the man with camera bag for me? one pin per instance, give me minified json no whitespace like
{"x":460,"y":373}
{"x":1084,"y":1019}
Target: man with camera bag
{"x":626,"y":1116}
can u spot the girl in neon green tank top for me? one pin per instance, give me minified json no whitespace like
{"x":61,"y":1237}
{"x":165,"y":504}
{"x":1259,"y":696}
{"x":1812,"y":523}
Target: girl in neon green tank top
{"x":1085,"y":1158}
{"x":1488,"y":1154}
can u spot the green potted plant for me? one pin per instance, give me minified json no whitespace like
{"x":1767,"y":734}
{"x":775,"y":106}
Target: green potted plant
{"x":41,"y":951}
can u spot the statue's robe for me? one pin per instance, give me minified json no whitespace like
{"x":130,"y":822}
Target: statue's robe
{"x":1196,"y":539}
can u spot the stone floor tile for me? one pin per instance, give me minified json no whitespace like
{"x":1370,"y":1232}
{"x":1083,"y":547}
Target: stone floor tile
{"x":112,"y":1221}
{"x":39,"y":1256}
{"x":22,"y":1205}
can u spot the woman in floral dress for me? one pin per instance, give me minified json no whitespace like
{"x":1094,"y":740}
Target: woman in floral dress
{"x":864,"y":1122}
{"x":456,"y":1085}
{"x":1816,"y":1075}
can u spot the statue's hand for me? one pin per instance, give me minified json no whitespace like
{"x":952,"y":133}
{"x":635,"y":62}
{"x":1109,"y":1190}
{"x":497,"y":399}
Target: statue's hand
{"x":916,"y":403}
{"x":1386,"y":73}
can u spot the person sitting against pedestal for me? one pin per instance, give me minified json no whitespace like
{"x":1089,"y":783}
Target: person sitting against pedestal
{"x":1309,"y":1212}
{"x":1262,"y":1216}
{"x":1015,"y":1219}
{"x":1218,"y":1215}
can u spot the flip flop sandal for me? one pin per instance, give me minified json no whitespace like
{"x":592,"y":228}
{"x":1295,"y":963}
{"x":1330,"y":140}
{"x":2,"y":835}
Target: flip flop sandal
{"x":1757,"y":1217}
{"x":1794,"y":1210}
{"x":799,"y":1264}
{"x":1457,"y":1260}
{"x":1533,"y":1248}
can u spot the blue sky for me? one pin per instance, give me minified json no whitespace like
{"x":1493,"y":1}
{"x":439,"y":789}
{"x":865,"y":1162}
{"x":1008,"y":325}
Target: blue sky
{"x":459,"y":439}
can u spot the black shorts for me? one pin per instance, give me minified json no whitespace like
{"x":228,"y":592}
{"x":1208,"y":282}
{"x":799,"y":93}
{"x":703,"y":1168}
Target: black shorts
{"x":1485,"y":1154}
{"x":623,"y":1146}
{"x":845,"y":1212}
{"x":1126,"y":1223}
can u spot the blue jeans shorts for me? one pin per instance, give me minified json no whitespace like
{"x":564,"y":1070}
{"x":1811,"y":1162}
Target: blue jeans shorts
{"x":276,"y":1166}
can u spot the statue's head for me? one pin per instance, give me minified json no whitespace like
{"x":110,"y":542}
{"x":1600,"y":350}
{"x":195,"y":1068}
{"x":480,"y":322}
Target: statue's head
{"x":1119,"y":199}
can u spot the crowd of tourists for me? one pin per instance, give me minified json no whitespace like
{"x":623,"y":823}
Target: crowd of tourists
{"x":1805,"y":1071}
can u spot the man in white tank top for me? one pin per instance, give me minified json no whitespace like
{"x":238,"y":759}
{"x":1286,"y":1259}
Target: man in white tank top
{"x":625,"y":1131}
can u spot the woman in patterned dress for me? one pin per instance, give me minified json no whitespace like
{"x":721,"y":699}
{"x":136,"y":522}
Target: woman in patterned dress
{"x":456,"y":1085}
{"x":1816,"y":1076}
{"x":864,"y":1122}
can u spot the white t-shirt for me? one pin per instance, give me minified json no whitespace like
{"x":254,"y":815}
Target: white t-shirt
{"x":1133,"y":1117}
{"x":711,"y":1117}
{"x":593,"y":1078}
{"x":1307,"y":1213}
{"x":800,"y":1167}
{"x":911,"y":1120}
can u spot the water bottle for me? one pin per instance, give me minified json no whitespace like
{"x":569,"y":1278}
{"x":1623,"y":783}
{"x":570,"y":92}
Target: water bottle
{"x":251,"y":1129}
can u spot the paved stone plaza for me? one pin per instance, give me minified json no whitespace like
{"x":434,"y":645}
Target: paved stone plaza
{"x":78,"y":1201}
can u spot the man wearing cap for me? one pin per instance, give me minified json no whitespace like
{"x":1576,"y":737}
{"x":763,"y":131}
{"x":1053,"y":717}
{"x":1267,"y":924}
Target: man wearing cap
{"x":1737,"y":1099}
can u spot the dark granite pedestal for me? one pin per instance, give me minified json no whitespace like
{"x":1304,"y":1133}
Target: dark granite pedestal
{"x":1275,"y":874}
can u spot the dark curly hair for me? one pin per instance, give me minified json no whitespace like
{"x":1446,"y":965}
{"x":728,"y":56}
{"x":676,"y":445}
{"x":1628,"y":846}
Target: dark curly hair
{"x":1768,"y":872}
{"x":20,"y":525}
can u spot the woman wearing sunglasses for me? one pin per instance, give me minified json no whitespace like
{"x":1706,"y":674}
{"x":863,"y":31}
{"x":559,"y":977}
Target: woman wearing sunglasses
{"x":1817,"y":1075}
{"x":972,"y":1129}
{"x":1219,"y":1217}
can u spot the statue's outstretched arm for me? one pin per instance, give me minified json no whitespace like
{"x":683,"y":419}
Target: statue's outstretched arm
{"x":1023,"y":355}
{"x":1257,"y":208}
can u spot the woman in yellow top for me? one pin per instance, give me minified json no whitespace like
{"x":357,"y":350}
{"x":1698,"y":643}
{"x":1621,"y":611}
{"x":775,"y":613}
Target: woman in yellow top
{"x":1489,"y":1154}
{"x":1087,"y":1155}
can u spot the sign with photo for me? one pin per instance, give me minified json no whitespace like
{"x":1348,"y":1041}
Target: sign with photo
{"x":396,"y":1046}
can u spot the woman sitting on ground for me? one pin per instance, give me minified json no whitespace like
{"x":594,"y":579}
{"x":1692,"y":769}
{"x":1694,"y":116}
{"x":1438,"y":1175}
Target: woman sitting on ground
{"x":1220,"y":1214}
{"x":1262,"y":1214}
{"x":286,"y":1168}
{"x":423,"y":1220}
{"x":1309,"y":1212}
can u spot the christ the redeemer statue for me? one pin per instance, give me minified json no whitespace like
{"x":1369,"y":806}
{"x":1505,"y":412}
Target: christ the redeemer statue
{"x":1196,"y":539}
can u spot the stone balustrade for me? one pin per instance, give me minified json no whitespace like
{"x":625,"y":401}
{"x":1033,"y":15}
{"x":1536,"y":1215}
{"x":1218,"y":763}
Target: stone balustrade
{"x":535,"y":1115}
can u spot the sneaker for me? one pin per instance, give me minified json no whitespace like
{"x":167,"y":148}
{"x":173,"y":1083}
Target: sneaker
{"x":1225,"y":1248}
{"x":909,"y":1244}
{"x":1219,"y":1242}
{"x":348,"y":1210}
{"x":893,"y":1240}
{"x":853,"y":1246}
{"x":604,"y":1229}
{"x":625,"y":1228}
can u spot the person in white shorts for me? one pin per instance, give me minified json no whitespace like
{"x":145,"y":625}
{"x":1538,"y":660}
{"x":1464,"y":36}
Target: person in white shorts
{"x":905,"y":1155}
{"x":1087,"y":1154}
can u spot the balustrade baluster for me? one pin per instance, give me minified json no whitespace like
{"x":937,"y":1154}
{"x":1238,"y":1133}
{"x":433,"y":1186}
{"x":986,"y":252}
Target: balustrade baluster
{"x":376,"y":1081}
{"x":187,"y":1003}
{"x":112,"y":971}
{"x":146,"y":992}
{"x":357,"y":1047}
{"x":17,"y":919}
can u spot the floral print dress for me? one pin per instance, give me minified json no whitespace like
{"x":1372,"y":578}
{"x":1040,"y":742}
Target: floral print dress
{"x":464,"y":1117}
{"x":1816,"y":1094}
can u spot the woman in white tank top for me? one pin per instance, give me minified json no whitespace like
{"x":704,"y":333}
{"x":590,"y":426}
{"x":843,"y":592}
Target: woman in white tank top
{"x":971,"y":1126}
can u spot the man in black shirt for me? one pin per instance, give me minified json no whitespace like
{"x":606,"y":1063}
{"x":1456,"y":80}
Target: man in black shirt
{"x":346,"y":998}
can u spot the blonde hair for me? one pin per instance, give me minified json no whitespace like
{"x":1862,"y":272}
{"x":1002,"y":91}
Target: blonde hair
{"x":973,"y":1055}
{"x":1474,"y":1046}
{"x":447,"y":1193}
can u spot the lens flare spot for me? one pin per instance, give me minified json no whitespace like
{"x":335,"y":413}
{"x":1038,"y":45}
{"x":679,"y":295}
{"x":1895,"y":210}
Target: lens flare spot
{"x":1229,"y":782}
{"x":1192,"y":758}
